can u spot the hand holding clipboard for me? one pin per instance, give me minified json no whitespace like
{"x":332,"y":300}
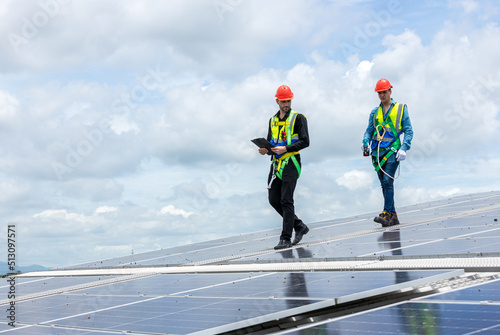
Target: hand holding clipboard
{"x":263,"y":143}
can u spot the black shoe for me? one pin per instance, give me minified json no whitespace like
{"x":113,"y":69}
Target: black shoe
{"x":393,"y":220}
{"x":283,"y":245}
{"x":383,"y":218}
{"x":299,"y":234}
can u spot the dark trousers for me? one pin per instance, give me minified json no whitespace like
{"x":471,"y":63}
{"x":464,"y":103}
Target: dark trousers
{"x":281,"y":198}
{"x":387,"y":183}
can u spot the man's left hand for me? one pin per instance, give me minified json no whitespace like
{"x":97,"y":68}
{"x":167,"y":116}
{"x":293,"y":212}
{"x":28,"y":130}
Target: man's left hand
{"x":400,"y":155}
{"x":279,"y":150}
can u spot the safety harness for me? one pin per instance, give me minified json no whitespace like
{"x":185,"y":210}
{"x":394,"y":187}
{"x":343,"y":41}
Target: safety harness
{"x":282,"y":135}
{"x":380,"y":135}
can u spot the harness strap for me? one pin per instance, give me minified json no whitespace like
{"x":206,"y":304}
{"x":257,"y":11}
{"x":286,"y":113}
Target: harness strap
{"x":377,"y":163}
{"x":297,"y":165}
{"x":280,"y":163}
{"x":283,"y":160}
{"x":288,"y":154}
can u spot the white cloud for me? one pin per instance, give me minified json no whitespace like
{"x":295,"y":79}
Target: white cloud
{"x":355,"y":179}
{"x":449,"y":193}
{"x":105,"y":209}
{"x":170,"y":209}
{"x":121,"y":125}
{"x":62,"y":213}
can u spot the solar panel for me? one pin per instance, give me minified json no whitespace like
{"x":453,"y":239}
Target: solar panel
{"x":415,"y":318}
{"x":466,"y":311}
{"x":348,"y":275}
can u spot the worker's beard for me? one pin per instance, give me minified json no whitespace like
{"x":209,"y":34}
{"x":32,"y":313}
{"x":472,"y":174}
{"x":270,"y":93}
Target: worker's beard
{"x":286,"y":109}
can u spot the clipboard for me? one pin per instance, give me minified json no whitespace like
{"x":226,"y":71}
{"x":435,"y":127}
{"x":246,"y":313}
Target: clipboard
{"x":263,"y":143}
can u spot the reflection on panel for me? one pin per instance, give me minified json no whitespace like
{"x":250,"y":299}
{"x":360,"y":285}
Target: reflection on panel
{"x":485,"y":293}
{"x":415,"y":318}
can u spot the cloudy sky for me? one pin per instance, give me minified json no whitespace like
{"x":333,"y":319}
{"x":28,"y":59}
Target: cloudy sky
{"x":125,"y":125}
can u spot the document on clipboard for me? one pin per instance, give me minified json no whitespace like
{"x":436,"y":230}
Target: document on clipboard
{"x":263,"y":143}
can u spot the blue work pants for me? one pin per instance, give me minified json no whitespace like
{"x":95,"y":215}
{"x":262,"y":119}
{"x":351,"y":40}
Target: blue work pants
{"x":387,"y":183}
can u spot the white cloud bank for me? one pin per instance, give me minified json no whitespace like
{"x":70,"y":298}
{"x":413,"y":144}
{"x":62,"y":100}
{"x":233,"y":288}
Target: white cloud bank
{"x":355,"y":179}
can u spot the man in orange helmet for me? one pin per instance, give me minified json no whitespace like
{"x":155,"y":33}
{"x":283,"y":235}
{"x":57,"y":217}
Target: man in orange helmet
{"x":387,"y":122}
{"x":288,"y":133}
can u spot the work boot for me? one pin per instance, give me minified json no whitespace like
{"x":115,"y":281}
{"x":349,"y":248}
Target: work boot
{"x":383,"y":218}
{"x":299,"y":234}
{"x":393,"y":220}
{"x":283,"y":245}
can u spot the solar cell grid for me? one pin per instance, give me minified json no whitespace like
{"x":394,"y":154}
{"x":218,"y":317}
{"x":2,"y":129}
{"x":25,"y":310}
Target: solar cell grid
{"x":185,"y":303}
{"x":179,"y":315}
{"x":416,"y":318}
{"x":25,"y":286}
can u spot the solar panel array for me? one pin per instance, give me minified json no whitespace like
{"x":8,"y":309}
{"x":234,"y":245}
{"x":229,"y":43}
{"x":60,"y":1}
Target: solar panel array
{"x":438,"y":272}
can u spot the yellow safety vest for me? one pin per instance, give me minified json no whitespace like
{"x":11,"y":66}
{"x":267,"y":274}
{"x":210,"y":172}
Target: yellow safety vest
{"x":383,"y":126}
{"x":283,"y":134}
{"x":386,"y":134}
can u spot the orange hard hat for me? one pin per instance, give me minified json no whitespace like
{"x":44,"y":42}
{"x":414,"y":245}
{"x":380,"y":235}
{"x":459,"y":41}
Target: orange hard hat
{"x":284,"y":93}
{"x":383,"y":85}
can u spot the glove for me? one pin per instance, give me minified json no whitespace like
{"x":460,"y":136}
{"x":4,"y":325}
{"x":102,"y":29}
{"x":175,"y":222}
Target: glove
{"x":400,"y":155}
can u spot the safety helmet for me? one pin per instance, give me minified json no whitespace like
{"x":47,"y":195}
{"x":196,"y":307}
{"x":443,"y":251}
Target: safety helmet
{"x":382,"y":85}
{"x":284,"y":93}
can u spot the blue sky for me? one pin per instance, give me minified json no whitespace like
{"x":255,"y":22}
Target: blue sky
{"x":126,"y":125}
